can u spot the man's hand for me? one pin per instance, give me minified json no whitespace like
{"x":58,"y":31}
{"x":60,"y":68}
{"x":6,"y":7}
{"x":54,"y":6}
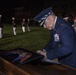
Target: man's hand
{"x":42,"y":52}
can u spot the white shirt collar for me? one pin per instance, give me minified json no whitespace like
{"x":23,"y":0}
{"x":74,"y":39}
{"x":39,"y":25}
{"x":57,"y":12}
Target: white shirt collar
{"x":55,"y":22}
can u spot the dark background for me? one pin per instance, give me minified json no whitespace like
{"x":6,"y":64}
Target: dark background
{"x":60,"y":6}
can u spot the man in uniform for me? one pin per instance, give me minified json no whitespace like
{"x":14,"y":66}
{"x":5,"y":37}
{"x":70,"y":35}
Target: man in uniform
{"x":62,"y":44}
{"x":27,"y":23}
{"x":1,"y":27}
{"x":75,"y":23}
{"x":14,"y":25}
{"x":23,"y":25}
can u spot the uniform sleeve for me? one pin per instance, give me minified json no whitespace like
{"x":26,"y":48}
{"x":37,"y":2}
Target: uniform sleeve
{"x":48,"y":46}
{"x":66,"y":47}
{"x":50,"y":43}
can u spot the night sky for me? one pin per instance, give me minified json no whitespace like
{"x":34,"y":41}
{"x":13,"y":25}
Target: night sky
{"x":35,"y":4}
{"x":18,"y":3}
{"x":7,"y":6}
{"x":10,"y":3}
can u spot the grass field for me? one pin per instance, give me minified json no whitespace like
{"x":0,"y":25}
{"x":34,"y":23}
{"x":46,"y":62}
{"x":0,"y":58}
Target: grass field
{"x":33,"y":40}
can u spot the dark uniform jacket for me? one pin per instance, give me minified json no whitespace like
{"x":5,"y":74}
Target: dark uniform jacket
{"x":14,"y":24}
{"x":23,"y":23}
{"x":62,"y":44}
